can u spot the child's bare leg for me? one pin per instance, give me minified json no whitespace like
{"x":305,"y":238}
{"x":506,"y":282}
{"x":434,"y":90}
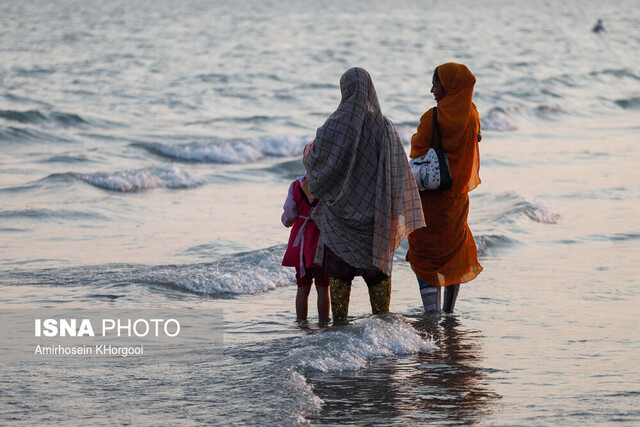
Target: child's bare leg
{"x":323,"y":303}
{"x":302,"y":302}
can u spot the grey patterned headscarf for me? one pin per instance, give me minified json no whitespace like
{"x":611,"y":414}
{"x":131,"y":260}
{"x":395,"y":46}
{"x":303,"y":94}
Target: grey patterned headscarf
{"x":358,"y":169}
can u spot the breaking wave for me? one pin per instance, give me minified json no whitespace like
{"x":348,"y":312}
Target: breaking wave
{"x":231,"y":152}
{"x":498,"y":120}
{"x":243,"y":273}
{"x":140,"y":179}
{"x":508,"y":207}
{"x":354,"y":347}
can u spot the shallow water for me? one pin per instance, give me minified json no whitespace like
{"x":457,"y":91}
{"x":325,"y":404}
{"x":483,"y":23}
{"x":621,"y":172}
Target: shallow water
{"x":147,"y":150}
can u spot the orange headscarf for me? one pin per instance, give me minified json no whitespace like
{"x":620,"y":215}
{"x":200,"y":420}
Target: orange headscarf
{"x":444,"y":252}
{"x":459,"y":123}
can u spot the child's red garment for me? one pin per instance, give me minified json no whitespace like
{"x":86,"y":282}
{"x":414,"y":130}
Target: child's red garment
{"x":313,"y":274}
{"x":304,"y":233}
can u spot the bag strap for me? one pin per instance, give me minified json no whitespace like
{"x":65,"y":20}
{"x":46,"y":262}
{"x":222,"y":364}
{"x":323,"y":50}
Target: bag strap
{"x":436,"y":129}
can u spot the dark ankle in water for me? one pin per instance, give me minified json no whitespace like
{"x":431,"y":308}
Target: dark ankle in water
{"x":450,"y":297}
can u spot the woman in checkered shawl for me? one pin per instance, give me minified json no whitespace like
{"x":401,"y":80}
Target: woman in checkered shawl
{"x":369,"y":201}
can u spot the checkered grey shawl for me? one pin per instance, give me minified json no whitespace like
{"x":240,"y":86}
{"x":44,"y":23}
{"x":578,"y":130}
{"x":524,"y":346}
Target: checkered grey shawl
{"x":358,"y":169}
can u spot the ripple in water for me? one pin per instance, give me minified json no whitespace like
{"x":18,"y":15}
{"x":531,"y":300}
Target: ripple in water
{"x":629,"y":103}
{"x":36,"y":116}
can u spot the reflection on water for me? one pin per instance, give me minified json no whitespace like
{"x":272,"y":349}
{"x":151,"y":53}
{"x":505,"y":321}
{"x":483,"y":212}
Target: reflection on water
{"x":452,"y":383}
{"x":448,"y":385}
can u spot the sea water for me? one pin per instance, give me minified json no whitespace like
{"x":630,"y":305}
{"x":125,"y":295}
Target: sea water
{"x":147,"y":148}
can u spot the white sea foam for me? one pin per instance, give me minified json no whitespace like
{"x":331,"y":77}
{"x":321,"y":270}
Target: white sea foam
{"x":284,"y":146}
{"x":540,"y":213}
{"x":232,"y":152}
{"x":247,"y":273}
{"x":212,"y":153}
{"x":353,"y":347}
{"x":497,"y":119}
{"x":307,"y":402}
{"x":140,"y":179}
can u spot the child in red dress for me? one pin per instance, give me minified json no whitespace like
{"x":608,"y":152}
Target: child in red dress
{"x":301,"y":250}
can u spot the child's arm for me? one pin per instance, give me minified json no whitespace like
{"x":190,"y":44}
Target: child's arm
{"x":290,"y":214}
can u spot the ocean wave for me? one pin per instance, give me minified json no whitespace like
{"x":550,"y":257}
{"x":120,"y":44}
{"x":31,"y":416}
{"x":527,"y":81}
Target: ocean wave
{"x":353,"y":347}
{"x":540,"y":213}
{"x":32,"y":71}
{"x":567,"y":80}
{"x":615,"y":237}
{"x":216,"y":249}
{"x":24,"y":187}
{"x":243,"y":273}
{"x":288,"y":170}
{"x":316,"y":85}
{"x":498,"y":120}
{"x":43,"y":214}
{"x":16,"y":134}
{"x":36,"y":116}
{"x":490,"y":243}
{"x":213,"y":78}
{"x":239,"y":119}
{"x":508,"y":207}
{"x":230,"y":152}
{"x":306,"y":400}
{"x":11,"y":133}
{"x":238,"y":274}
{"x":140,"y":179}
{"x":64,"y":158}
{"x":12,"y":230}
{"x":13,"y":98}
{"x":31,"y":116}
{"x":605,"y":193}
{"x":205,"y":153}
{"x":629,"y":103}
{"x":67,"y":119}
{"x":548,"y":111}
{"x":618,"y":73}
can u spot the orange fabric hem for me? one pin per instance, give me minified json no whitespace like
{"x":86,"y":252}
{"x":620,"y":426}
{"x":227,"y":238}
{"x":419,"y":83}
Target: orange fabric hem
{"x":434,"y":278}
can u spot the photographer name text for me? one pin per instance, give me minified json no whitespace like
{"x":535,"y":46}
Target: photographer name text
{"x":86,"y":350}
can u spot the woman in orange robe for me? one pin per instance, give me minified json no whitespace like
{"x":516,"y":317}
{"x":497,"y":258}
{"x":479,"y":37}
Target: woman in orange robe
{"x":444,"y":253}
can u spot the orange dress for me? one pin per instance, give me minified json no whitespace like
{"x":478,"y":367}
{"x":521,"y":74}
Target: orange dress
{"x":444,"y":252}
